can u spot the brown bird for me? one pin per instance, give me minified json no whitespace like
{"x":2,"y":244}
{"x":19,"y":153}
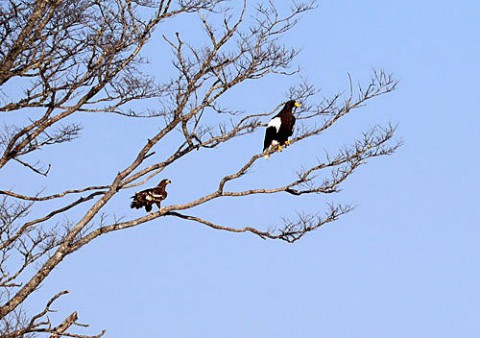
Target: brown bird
{"x":147,"y":197}
{"x":280,"y":128}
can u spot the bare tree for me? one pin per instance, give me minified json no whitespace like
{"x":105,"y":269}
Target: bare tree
{"x":73,"y":57}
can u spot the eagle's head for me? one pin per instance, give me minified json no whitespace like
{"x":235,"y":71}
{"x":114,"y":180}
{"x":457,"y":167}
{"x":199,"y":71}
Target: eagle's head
{"x":164,"y":182}
{"x":292,"y":103}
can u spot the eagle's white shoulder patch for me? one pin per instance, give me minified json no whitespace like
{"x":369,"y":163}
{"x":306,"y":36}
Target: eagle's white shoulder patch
{"x":276,"y":123}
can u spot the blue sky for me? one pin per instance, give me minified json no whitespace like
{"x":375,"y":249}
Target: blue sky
{"x":404,"y":263}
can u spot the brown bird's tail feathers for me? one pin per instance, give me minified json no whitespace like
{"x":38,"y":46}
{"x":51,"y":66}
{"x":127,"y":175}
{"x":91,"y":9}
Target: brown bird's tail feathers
{"x":135,"y":204}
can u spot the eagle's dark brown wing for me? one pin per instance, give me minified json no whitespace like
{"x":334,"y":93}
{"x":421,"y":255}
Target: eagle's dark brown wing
{"x":270,"y":135}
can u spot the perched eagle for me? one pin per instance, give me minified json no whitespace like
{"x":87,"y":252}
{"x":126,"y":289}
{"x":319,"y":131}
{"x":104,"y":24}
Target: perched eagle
{"x":280,"y":128}
{"x":147,"y":197}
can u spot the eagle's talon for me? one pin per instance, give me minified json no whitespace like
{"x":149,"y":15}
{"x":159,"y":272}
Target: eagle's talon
{"x":280,"y":148}
{"x":287,"y":142}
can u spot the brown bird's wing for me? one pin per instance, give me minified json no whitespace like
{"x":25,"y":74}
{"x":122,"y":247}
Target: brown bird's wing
{"x":157,"y":194}
{"x":147,"y":197}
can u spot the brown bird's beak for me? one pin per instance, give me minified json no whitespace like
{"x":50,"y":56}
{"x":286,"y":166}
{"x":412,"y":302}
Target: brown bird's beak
{"x":297,"y":104}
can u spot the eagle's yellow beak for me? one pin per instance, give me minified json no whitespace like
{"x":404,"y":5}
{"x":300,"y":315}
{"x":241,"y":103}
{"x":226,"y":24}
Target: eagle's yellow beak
{"x":297,"y":104}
